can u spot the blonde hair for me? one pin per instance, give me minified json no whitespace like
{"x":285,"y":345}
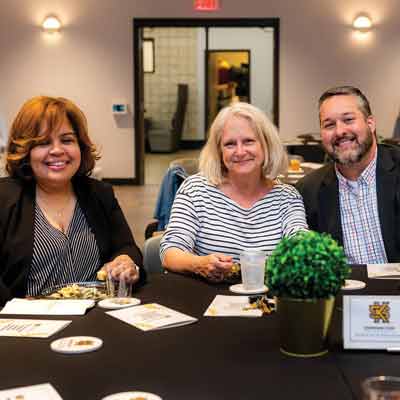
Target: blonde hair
{"x":275,"y":156}
{"x":26,"y":133}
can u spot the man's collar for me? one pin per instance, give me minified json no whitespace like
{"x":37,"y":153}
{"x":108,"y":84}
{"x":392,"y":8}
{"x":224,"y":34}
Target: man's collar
{"x":367,"y":175}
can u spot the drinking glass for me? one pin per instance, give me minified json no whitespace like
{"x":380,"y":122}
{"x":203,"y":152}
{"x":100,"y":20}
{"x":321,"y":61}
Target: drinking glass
{"x":252,"y":266}
{"x":118,"y":288}
{"x":381,"y":388}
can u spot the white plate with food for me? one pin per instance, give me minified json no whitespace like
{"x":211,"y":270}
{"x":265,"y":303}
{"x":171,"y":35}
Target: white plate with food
{"x":132,"y":396}
{"x":78,"y":290}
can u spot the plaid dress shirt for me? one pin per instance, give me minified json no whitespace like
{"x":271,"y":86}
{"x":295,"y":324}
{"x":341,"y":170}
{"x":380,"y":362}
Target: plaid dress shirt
{"x":362,"y":235}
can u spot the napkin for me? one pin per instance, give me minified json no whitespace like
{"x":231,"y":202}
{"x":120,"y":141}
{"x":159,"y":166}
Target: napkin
{"x":47,"y":307}
{"x":231,"y":306}
{"x":384,"y":271}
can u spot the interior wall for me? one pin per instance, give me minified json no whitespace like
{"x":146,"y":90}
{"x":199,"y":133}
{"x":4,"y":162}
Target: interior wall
{"x":91,"y":60}
{"x":260,"y":44}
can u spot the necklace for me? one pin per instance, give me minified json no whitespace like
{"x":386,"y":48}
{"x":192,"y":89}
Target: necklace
{"x":58,"y":213}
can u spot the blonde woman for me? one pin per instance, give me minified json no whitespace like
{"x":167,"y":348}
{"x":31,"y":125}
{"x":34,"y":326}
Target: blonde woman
{"x":235,"y":202}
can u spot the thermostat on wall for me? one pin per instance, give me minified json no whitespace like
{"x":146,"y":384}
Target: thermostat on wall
{"x":119,"y":107}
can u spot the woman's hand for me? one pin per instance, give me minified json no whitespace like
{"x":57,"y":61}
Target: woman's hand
{"x":213,"y":267}
{"x":122,"y":267}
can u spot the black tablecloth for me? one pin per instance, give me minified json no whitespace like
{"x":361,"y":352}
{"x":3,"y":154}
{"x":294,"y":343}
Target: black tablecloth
{"x":215,"y":358}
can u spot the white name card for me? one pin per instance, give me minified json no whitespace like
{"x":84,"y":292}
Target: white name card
{"x":36,"y":392}
{"x":371,"y":322}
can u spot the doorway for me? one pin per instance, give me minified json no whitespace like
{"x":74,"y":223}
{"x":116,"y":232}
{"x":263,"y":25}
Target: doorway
{"x":207,"y":36}
{"x":228,"y":79}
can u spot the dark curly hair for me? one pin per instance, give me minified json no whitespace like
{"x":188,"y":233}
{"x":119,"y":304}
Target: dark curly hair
{"x":27,"y":131}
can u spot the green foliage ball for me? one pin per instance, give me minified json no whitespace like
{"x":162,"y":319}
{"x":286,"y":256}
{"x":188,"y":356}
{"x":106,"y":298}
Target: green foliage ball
{"x":307,"y":265}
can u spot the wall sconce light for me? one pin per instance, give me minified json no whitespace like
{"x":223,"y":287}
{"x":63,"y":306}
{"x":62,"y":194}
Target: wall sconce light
{"x":51,"y":24}
{"x":362,"y":23}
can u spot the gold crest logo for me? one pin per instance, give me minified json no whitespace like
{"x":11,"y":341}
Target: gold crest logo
{"x":380,"y":311}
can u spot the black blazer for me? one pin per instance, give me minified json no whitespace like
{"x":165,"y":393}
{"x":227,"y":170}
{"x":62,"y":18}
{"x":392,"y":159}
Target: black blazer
{"x":320,"y":191}
{"x":102,"y":212}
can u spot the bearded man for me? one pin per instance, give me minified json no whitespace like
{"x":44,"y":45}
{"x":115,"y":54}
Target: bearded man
{"x":355,"y":198}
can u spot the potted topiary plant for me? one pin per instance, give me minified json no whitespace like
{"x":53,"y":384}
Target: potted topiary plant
{"x":305,"y":272}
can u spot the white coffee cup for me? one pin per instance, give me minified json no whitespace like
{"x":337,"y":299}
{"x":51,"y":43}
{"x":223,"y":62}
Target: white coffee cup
{"x":252,"y":266}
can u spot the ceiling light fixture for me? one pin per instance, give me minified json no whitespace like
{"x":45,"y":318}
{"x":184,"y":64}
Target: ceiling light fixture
{"x":362,"y":23}
{"x":51,"y":24}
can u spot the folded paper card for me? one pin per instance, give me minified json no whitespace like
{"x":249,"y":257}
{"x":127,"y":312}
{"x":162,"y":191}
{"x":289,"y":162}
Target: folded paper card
{"x":47,"y":307}
{"x":384,"y":271}
{"x":32,"y":328}
{"x":35,"y":392}
{"x":152,"y":316}
{"x":371,"y":322}
{"x":231,"y":306}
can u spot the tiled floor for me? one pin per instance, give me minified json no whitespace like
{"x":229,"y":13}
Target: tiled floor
{"x":138,"y":203}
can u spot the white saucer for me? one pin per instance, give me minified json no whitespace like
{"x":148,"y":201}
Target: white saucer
{"x":76,"y":344}
{"x":350,"y":284}
{"x":118,"y":302}
{"x":241,"y":290}
{"x":132,"y":396}
{"x":296,"y":171}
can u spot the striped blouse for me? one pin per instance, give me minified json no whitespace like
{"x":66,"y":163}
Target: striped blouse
{"x":204,"y":220}
{"x":61,"y":258}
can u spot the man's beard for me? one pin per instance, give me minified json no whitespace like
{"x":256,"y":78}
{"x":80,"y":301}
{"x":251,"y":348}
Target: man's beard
{"x":354,"y":155}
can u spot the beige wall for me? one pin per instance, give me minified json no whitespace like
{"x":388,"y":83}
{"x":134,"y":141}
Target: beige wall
{"x":91,"y":61}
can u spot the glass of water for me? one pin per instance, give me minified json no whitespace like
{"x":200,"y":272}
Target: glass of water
{"x":252,"y":266}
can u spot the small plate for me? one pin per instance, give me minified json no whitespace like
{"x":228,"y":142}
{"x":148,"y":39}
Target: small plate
{"x":241,"y":290}
{"x":132,"y":396}
{"x":118,"y":302}
{"x":76,"y":344}
{"x":350,"y":284}
{"x":296,"y":171}
{"x":295,"y":176}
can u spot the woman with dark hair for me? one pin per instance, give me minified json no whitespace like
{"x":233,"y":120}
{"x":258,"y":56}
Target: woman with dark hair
{"x":57,"y":225}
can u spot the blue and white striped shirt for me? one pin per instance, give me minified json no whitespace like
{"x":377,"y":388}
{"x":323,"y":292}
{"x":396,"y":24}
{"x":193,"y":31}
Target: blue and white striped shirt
{"x":204,"y":220}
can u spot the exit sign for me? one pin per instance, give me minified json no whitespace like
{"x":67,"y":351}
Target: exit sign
{"x":206,"y":5}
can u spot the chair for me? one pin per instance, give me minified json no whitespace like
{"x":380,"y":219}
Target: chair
{"x":164,"y":141}
{"x":151,"y":255}
{"x":190,"y":165}
{"x":177,"y":172}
